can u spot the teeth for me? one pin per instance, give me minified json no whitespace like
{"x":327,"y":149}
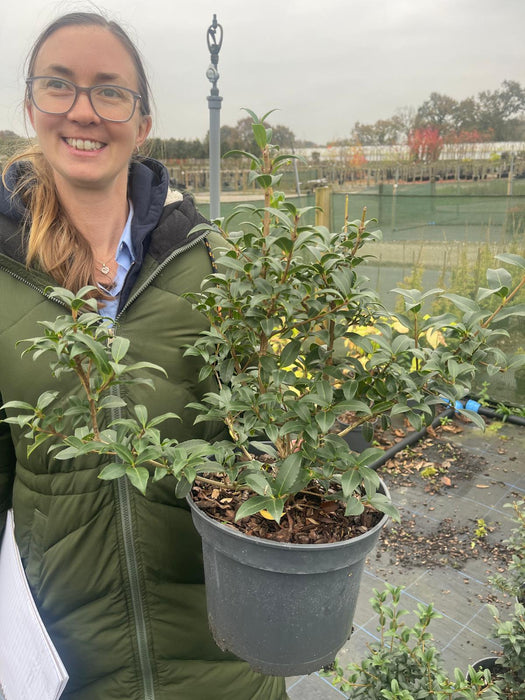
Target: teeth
{"x":84,"y":145}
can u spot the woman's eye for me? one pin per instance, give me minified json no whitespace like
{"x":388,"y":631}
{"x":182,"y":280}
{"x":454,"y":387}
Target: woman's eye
{"x":110,"y":92}
{"x":57,"y":84}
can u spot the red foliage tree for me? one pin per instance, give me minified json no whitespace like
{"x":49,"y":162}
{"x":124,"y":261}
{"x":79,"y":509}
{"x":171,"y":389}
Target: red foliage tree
{"x":425,"y":144}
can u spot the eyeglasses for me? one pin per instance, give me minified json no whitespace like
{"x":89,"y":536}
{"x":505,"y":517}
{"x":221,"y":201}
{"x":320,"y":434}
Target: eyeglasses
{"x":57,"y":96}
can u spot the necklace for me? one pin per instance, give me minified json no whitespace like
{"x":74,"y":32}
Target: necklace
{"x":104,"y":268}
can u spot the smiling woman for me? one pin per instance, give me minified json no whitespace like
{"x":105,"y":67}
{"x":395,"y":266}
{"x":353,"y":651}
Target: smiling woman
{"x":117,"y":576}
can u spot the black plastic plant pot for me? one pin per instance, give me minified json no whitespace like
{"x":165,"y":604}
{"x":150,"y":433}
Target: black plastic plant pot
{"x":488,"y":663}
{"x":355,"y":438}
{"x":520,"y":595}
{"x":284,"y":608}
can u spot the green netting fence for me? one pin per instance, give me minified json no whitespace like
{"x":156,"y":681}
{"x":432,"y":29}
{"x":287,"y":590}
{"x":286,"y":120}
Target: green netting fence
{"x":433,"y":237}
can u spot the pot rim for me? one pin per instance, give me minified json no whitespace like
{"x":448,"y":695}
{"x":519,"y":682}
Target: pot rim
{"x":228,"y":529}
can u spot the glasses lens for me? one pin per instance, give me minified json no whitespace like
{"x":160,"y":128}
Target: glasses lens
{"x":113,"y":102}
{"x":53,"y":95}
{"x":57,"y":96}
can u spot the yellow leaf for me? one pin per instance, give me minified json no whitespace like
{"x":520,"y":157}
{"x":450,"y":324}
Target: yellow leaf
{"x":265,"y":514}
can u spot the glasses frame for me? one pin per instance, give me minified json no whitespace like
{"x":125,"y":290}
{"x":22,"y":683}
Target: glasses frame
{"x":78,"y":91}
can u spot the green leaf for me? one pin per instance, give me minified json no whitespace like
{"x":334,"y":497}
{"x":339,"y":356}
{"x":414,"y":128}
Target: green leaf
{"x":139,"y":477}
{"x":182,"y":488}
{"x":18,"y":404}
{"x":473,"y":416}
{"x":142,"y":414}
{"x":40,"y":438}
{"x":253,"y":505}
{"x":276,"y":508}
{"x":350,"y":480}
{"x":244,"y":154}
{"x":258,"y":483}
{"x":109,"y":402}
{"x":384,"y":505}
{"x":124,"y":453}
{"x":512,"y":259}
{"x":290,"y":352}
{"x":112,"y":471}
{"x":119,"y":347}
{"x":288,"y":473}
{"x":462,"y":303}
{"x":259,"y":133}
{"x":45,"y":399}
{"x":499,"y":279}
{"x":354,"y":507}
{"x":325,"y":420}
{"x":69,"y":453}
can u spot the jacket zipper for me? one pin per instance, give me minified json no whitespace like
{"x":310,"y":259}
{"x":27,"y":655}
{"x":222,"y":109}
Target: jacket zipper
{"x":158,"y":270}
{"x":122,"y":488}
{"x":124,"y":503}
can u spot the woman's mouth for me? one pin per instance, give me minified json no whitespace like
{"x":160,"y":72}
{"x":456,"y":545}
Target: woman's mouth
{"x":84,"y":144}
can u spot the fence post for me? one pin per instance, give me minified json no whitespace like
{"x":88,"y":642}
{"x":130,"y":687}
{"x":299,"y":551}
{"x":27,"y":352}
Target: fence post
{"x":394,"y":198}
{"x":510,"y":176}
{"x":323,"y":200}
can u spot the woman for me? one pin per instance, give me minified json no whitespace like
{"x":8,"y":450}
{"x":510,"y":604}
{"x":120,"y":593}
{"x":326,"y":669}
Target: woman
{"x":117,"y":576}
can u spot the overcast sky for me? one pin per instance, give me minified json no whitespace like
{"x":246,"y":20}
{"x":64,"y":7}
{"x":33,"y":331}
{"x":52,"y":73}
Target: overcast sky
{"x":323,"y":64}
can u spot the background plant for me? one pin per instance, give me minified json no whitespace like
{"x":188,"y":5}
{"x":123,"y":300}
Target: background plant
{"x":509,"y":673}
{"x":404,"y":664}
{"x":513,"y":581}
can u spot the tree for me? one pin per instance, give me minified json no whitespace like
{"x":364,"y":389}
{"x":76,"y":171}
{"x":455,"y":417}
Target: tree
{"x":425,"y":144}
{"x":466,"y":116}
{"x":437,"y":112}
{"x":382,"y":132}
{"x":500,"y":110}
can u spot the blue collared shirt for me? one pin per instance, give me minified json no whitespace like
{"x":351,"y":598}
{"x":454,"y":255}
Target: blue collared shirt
{"x":125,"y":258}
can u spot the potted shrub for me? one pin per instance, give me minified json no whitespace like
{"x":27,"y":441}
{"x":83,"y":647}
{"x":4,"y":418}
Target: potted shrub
{"x":404,"y":664}
{"x":509,"y":668}
{"x":513,"y":581}
{"x":287,"y":513}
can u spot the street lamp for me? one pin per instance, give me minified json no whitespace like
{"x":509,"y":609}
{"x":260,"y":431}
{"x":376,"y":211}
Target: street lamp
{"x":214,"y":40}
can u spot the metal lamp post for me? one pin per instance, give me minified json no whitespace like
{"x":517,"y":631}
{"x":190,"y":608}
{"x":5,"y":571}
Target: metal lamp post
{"x":214,"y":40}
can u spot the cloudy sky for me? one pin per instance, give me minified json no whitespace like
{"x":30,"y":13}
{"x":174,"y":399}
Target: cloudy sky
{"x":324,"y":65}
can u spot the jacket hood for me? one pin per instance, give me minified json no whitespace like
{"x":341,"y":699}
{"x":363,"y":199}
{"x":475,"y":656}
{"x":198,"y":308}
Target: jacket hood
{"x":148,"y":184}
{"x":147,"y":187}
{"x":11,"y":206}
{"x":158,"y":228}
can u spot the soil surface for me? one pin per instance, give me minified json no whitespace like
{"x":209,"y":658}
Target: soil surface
{"x":432,"y":465}
{"x":311,"y":521}
{"x":435,"y":466}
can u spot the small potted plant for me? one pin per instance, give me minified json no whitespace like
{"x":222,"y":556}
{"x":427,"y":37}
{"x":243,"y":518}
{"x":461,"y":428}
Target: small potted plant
{"x":513,"y":581}
{"x":508,"y":669}
{"x":404,"y":664}
{"x":286,"y":512}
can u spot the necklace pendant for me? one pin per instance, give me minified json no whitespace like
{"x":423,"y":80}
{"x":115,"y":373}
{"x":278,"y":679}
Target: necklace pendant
{"x":104,"y":269}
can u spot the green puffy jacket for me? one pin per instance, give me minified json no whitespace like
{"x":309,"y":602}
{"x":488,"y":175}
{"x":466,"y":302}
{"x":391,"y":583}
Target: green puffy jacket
{"x":117,"y":576}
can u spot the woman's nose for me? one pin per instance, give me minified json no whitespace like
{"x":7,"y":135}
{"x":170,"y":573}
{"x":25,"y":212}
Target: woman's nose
{"x":82,"y":110}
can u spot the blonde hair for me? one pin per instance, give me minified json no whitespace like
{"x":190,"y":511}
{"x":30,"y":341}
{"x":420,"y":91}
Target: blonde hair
{"x":53,"y":243}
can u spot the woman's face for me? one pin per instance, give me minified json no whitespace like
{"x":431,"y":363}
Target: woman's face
{"x":82,"y":149}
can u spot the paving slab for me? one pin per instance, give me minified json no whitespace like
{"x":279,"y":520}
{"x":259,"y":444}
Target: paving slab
{"x":459,"y":591}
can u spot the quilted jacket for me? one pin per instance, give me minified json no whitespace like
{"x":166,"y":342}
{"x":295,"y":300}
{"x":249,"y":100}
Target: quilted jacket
{"x":117,"y":576}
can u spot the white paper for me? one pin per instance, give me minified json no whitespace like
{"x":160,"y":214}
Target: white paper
{"x":30,"y":667}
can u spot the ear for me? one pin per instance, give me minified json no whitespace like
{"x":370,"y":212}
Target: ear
{"x":30,"y":112}
{"x":143,"y":130}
